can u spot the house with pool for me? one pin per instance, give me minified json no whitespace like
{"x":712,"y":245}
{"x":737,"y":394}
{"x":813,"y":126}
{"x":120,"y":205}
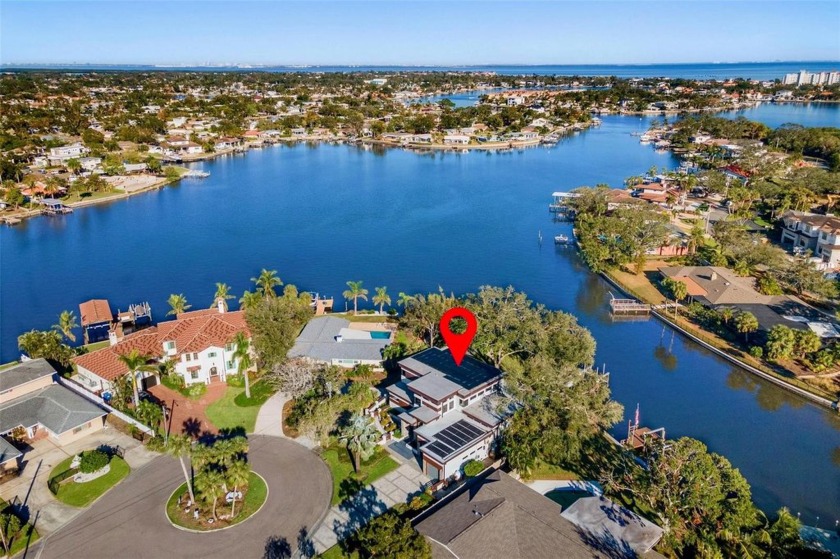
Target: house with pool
{"x":337,"y":341}
{"x":452,"y":414}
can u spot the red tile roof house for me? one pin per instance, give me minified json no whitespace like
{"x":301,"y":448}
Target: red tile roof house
{"x":200,"y":343}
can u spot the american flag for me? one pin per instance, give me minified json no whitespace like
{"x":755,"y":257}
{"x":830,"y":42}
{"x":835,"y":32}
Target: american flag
{"x":637,"y":415}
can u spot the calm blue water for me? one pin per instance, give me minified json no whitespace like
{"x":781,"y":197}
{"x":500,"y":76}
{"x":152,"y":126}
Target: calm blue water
{"x":776,"y":114}
{"x":323,"y":215}
{"x":707,"y":70}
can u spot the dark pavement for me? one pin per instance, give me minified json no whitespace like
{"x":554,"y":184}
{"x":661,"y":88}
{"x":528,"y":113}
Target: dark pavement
{"x":130,"y":521}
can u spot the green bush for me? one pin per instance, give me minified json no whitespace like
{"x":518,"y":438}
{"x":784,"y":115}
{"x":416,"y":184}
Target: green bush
{"x":237,"y":381}
{"x":173,"y":381}
{"x":196,"y":390}
{"x":473,"y":468}
{"x":757,"y":351}
{"x":93,"y":460}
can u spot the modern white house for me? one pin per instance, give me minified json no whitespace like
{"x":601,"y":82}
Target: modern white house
{"x":818,"y":233}
{"x":199,"y":343}
{"x":60,"y":155}
{"x":451,"y":413}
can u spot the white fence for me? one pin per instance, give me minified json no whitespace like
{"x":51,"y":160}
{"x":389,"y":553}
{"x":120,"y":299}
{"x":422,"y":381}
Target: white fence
{"x":83,"y":392}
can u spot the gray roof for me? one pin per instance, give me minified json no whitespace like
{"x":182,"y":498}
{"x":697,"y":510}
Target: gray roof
{"x":8,"y":451}
{"x":423,"y":414}
{"x":501,"y":517}
{"x":613,"y":525}
{"x":490,"y":410}
{"x":25,"y":372}
{"x":436,"y":361}
{"x":318,"y":341}
{"x":55,"y":407}
{"x":436,"y":387}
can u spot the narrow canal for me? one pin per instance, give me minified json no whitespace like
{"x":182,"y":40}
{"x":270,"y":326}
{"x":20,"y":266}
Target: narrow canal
{"x":323,"y":215}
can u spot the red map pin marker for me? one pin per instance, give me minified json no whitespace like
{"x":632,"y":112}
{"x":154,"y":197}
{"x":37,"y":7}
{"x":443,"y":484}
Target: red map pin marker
{"x":458,"y":343}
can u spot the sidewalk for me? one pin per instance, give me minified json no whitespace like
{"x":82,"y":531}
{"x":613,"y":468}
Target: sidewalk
{"x":345,"y":518}
{"x":270,"y":420}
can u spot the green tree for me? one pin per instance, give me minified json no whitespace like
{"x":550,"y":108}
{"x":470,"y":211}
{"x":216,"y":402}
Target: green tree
{"x":236,"y":476}
{"x":360,"y":437}
{"x":266,"y":282}
{"x":381,"y":298}
{"x":9,"y":528}
{"x":171,"y":173}
{"x":355,"y":292}
{"x":781,"y":342}
{"x":181,"y":446}
{"x":74,"y":165}
{"x":249,"y":300}
{"x":177,"y":304}
{"x":242,"y":355}
{"x":726,"y":314}
{"x":14,"y":197}
{"x":210,"y":486}
{"x":274,"y":324}
{"x":391,"y":536}
{"x":746,"y":322}
{"x":66,"y":323}
{"x":678,"y":290}
{"x":222,"y":294}
{"x":150,"y":414}
{"x":48,"y":345}
{"x":807,"y":341}
{"x":136,"y":362}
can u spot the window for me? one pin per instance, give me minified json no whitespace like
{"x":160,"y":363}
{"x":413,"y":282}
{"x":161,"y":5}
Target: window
{"x":229,"y":347}
{"x":169,"y":346}
{"x":229,"y":365}
{"x":187,"y":357}
{"x":194,"y":375}
{"x":81,"y":428}
{"x":195,"y":356}
{"x":211,"y":354}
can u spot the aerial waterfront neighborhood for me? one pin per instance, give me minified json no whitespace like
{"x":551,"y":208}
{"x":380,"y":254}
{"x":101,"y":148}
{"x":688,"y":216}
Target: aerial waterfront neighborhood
{"x":478,"y":280}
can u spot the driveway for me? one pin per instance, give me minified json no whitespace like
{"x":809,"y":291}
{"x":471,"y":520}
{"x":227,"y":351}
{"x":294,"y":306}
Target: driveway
{"x":130,"y":521}
{"x":189,"y":416}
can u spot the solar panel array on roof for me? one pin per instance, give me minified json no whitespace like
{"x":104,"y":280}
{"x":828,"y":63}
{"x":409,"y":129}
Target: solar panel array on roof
{"x":454,"y":438}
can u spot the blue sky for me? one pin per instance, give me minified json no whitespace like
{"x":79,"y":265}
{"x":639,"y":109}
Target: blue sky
{"x":405,"y":33}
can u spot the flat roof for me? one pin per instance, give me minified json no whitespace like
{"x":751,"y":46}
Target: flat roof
{"x":25,"y":372}
{"x":453,"y":439}
{"x":471,"y":374}
{"x":611,"y":523}
{"x":437,"y":387}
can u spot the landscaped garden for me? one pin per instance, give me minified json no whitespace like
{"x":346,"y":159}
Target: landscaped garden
{"x":80,"y":480}
{"x":253,"y":498}
{"x":346,"y":481}
{"x":234,"y":409}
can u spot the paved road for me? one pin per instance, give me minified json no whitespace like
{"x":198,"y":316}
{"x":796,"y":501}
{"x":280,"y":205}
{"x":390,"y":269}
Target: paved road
{"x":130,"y":522}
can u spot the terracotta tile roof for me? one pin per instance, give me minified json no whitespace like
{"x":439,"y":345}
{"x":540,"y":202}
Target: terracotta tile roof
{"x":192,"y":332}
{"x":106,"y":362}
{"x":94,"y":311}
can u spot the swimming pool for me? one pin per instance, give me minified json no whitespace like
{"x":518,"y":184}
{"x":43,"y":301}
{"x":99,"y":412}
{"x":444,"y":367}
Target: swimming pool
{"x":380,"y":335}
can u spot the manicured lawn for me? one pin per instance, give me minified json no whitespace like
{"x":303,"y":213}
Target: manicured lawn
{"x":97,"y":345}
{"x":255,"y":496}
{"x":347,"y":482}
{"x":260,"y":392}
{"x":83,"y":494}
{"x":226,"y":414}
{"x":27,"y":535}
{"x":335,"y":552}
{"x":550,"y":471}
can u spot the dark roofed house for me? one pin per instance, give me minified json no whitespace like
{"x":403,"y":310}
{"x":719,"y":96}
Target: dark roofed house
{"x":32,"y":401}
{"x":499,"y":517}
{"x":450,"y":412}
{"x":331,"y":340}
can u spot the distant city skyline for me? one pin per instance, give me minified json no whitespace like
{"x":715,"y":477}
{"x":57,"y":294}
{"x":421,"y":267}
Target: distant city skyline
{"x":467,"y":33}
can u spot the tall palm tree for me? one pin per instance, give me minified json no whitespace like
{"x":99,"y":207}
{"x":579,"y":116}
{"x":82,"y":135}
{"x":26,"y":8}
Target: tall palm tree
{"x":66,"y":324}
{"x":181,"y":446}
{"x":223,"y":293}
{"x":237,"y":475}
{"x":136,"y":362}
{"x":210,"y":486}
{"x":355,"y":292}
{"x":249,"y":300}
{"x":74,"y":165}
{"x":266,"y":282}
{"x":242,"y":353}
{"x":404,"y":299}
{"x":178,"y":304}
{"x":381,"y":298}
{"x":360,"y":437}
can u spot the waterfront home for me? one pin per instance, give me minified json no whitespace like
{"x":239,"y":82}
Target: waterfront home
{"x":450,"y":413}
{"x":457,"y":139}
{"x":333,"y":340}
{"x":227,"y":143}
{"x":60,"y":155}
{"x":31,"y":400}
{"x":819,"y":234}
{"x":498,"y":516}
{"x":198,"y":343}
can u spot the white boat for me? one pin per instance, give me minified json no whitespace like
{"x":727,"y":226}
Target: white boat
{"x":561,"y":240}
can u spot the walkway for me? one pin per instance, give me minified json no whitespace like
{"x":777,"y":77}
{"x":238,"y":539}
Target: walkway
{"x":345,"y":518}
{"x":129,"y":520}
{"x":270,"y":420}
{"x":189,"y":416}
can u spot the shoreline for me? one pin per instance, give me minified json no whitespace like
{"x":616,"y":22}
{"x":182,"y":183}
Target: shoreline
{"x":776,"y":379}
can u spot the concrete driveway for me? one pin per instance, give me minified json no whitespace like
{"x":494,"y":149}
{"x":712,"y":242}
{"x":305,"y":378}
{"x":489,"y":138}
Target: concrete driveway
{"x":130,"y":521}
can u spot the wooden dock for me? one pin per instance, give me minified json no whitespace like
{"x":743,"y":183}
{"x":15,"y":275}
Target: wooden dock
{"x":628,"y":307}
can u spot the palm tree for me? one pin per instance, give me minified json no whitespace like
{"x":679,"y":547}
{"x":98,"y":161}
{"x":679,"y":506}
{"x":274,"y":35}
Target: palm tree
{"x":74,"y":165}
{"x":136,"y":362}
{"x":355,"y":292}
{"x":266,"y":282}
{"x":381,"y":298}
{"x":745,"y":323}
{"x":66,"y":324}
{"x":360,"y":437}
{"x":249,"y":300}
{"x":242,"y":353}
{"x":404,"y":299}
{"x":237,"y":475}
{"x":726,"y":314}
{"x":211,"y":487}
{"x":181,"y":446}
{"x":178,"y":303}
{"x":223,"y":294}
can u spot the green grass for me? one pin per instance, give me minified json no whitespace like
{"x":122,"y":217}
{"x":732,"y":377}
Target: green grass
{"x":96,"y":345}
{"x":335,"y":552}
{"x":549,"y":471}
{"x":345,"y":480}
{"x":254,"y":499}
{"x":226,"y":414}
{"x":260,"y":392}
{"x":28,"y":535}
{"x":193,"y":391}
{"x":83,"y":494}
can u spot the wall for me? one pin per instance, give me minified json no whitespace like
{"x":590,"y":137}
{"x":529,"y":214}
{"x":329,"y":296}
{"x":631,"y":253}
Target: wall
{"x":26,"y":388}
{"x":89,"y":428}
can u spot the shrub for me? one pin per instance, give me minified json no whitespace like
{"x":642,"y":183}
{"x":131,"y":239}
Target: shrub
{"x":237,"y":381}
{"x":93,"y":460}
{"x":768,"y":286}
{"x":196,"y":390}
{"x":757,"y":351}
{"x":473,"y":468}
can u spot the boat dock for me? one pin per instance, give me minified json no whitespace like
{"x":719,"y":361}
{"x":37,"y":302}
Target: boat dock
{"x":195,"y":174}
{"x":55,"y":207}
{"x":628,"y":307}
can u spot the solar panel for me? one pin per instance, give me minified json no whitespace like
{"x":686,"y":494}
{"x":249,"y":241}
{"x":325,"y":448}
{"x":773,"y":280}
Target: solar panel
{"x":454,"y":438}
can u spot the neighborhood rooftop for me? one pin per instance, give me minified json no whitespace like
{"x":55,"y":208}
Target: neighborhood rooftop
{"x":329,"y":338}
{"x":55,"y":407}
{"x":471,"y":374}
{"x":24,"y":372}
